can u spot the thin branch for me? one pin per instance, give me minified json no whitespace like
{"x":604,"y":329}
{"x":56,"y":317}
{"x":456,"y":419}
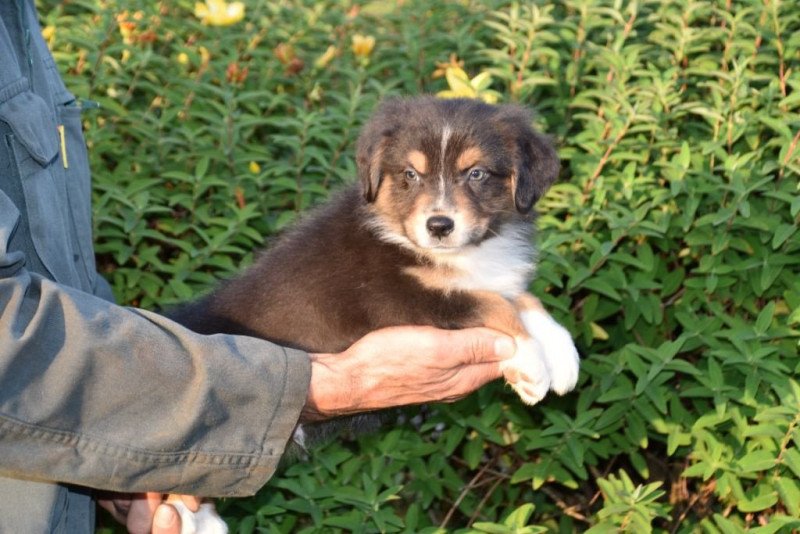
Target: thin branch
{"x":469,"y":487}
{"x":483,"y":502}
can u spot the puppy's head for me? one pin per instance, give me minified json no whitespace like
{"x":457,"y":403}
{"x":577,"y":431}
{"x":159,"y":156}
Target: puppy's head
{"x":444,"y":174}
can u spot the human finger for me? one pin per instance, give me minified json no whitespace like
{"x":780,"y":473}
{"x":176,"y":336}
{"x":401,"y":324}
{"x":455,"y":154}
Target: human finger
{"x":470,"y":378}
{"x":140,"y":515}
{"x":473,"y":346}
{"x":189,"y":501}
{"x":116,"y":504}
{"x":166,"y":520}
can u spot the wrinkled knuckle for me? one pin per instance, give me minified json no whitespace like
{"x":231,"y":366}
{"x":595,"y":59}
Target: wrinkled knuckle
{"x":478,"y":349}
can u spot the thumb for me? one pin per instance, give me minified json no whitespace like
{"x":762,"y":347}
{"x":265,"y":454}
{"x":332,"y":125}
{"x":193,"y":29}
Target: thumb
{"x":166,"y":520}
{"x":482,"y":345}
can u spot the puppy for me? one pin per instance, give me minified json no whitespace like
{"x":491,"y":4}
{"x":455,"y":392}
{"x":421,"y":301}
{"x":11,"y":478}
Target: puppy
{"x":437,"y":232}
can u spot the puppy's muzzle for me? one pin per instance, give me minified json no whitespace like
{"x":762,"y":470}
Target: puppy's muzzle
{"x":440,"y":226}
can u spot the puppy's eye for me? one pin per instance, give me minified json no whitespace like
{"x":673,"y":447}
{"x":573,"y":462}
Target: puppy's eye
{"x":412,"y":176}
{"x":476,"y":175}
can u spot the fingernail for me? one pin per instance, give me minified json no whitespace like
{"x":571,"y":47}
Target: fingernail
{"x":165,"y":516}
{"x":504,"y":347}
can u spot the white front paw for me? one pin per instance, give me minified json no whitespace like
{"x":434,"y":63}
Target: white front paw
{"x":527,"y":371}
{"x":188,"y":518}
{"x":209,"y":521}
{"x":559,"y":352}
{"x":205,"y":521}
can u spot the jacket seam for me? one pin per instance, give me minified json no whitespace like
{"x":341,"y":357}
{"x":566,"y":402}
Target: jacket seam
{"x":84,"y":443}
{"x":9,"y":91}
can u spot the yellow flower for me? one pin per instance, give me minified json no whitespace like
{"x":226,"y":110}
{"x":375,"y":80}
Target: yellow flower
{"x":441,"y":67}
{"x":219,"y":12}
{"x":126,"y":29}
{"x":462,"y":87}
{"x":254,"y":167}
{"x":363,"y":45}
{"x":323,"y":60}
{"x":48,"y":33}
{"x":205,"y":56}
{"x":183,"y":58}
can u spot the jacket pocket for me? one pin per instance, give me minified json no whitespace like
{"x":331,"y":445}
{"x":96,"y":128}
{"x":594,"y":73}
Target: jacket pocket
{"x":34,"y":143}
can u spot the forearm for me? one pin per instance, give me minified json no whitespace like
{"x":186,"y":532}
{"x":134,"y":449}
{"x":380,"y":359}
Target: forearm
{"x":121,"y":399}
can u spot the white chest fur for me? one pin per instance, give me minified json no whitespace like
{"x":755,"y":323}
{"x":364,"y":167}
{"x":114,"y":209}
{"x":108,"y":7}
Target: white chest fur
{"x":502,"y":264}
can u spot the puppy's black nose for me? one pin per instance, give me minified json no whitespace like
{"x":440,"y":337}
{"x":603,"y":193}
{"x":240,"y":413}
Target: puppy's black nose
{"x":440,"y":226}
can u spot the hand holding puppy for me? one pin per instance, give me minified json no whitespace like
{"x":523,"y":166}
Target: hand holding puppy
{"x":417,"y":365}
{"x":147,"y":513}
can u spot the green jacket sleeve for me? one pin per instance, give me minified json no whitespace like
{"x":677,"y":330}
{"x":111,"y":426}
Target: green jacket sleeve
{"x":91,"y":393}
{"x":117,"y":398}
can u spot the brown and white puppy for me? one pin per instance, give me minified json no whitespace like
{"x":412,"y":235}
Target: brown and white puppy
{"x":437,"y":232}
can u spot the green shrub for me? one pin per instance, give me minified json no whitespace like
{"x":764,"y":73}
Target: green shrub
{"x":670,"y":248}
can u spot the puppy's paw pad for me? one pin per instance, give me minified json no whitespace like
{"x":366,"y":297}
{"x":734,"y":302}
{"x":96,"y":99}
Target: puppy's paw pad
{"x":527,"y":373}
{"x":530,"y":395}
{"x":558,"y":348}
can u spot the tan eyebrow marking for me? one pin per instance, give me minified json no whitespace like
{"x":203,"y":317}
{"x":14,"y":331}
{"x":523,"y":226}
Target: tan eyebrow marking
{"x":469,"y":158}
{"x":418,"y":160}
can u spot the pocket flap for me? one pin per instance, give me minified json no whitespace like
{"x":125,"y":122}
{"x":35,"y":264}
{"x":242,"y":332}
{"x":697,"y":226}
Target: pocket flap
{"x":33,"y":124}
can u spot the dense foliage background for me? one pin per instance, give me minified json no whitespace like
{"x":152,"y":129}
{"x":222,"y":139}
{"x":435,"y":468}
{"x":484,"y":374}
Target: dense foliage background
{"x":670,"y":247}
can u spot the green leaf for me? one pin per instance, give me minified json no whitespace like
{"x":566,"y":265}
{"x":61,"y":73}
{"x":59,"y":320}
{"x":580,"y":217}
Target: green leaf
{"x":782,"y":233}
{"x":791,"y":459}
{"x":525,"y":472}
{"x":777,"y":125}
{"x":757,"y":461}
{"x":519,"y":517}
{"x":603,"y":287}
{"x":201,"y":169}
{"x":491,"y":528}
{"x":765,"y":317}
{"x":473,"y":451}
{"x":684,"y":156}
{"x":789,"y":492}
{"x":757,"y":504}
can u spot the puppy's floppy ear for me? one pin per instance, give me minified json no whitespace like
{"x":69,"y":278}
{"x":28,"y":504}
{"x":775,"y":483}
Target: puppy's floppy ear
{"x":368,"y":159}
{"x":371,"y":147}
{"x":536,"y":169}
{"x":536,"y":162}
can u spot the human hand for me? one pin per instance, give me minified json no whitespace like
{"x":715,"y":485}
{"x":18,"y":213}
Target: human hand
{"x":404,"y":365}
{"x":146,"y":513}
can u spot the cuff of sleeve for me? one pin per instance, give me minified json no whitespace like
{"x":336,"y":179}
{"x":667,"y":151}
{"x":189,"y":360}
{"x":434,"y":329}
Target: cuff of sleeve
{"x":282,"y":418}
